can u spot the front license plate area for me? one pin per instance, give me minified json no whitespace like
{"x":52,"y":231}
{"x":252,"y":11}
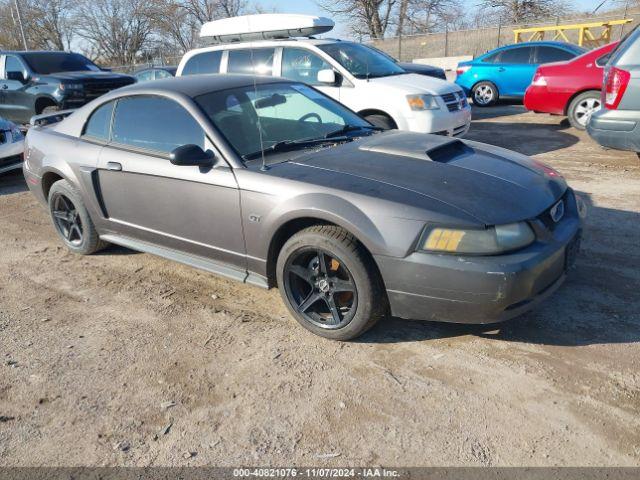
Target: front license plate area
{"x":571,"y":252}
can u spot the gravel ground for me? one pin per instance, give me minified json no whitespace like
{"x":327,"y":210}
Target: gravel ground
{"x":123,"y":358}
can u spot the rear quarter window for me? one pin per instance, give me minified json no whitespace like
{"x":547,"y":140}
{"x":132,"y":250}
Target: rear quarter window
{"x":99,"y":124}
{"x":201,"y":63}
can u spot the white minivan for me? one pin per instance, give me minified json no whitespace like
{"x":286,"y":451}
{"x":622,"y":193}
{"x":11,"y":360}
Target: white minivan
{"x":354,"y":74}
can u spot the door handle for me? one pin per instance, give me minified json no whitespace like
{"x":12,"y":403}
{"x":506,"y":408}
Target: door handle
{"x":114,"y":166}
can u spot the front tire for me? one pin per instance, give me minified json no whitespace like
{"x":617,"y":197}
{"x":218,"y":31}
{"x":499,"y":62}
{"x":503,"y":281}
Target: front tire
{"x":381,"y":121}
{"x":485,"y":94}
{"x":71,"y":219}
{"x":582,"y":107}
{"x":329,"y":283}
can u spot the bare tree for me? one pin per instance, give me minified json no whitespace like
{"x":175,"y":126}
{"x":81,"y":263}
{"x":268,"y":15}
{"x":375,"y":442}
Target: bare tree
{"x":117,"y":29}
{"x":426,"y":16}
{"x":207,"y":10}
{"x":48,"y":24}
{"x":368,"y":17}
{"x":521,"y":11}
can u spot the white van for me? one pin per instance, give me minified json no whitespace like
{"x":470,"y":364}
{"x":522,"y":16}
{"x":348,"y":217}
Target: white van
{"x":358,"y":76}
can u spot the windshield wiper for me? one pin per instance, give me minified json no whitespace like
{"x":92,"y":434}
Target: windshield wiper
{"x":351,"y":128}
{"x":288,"y":145}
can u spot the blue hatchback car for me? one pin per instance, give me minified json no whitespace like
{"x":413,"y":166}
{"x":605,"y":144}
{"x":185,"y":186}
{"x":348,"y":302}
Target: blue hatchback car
{"x":508,"y":71}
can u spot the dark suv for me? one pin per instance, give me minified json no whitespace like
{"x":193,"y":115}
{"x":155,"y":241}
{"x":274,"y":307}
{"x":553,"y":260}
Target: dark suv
{"x":32,"y":83}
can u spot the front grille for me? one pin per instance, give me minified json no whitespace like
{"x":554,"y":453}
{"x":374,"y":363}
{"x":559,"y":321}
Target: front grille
{"x":454,"y":101}
{"x":8,"y":161}
{"x":95,"y":89}
{"x":545,"y":217}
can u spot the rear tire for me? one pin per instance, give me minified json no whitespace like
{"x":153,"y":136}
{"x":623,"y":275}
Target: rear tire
{"x":582,"y":107}
{"x":382,"y":121}
{"x":485,"y":94}
{"x":339,"y":297}
{"x":71,"y":219}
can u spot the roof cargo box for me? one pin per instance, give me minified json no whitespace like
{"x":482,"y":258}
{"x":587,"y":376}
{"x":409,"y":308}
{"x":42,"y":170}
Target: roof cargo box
{"x":264,"y":27}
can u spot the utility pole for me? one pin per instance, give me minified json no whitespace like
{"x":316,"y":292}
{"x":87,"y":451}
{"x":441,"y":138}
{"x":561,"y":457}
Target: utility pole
{"x":24,"y":39}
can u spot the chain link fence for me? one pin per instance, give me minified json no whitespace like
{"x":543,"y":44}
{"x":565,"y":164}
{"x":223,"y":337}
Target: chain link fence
{"x":478,"y":41}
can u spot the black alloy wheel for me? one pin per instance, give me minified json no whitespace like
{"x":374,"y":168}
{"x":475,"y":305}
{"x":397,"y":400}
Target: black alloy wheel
{"x":67,"y":219}
{"x":320,"y":288}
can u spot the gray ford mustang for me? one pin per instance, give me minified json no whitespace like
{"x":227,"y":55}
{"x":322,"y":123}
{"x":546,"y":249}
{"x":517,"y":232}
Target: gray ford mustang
{"x":272,"y":183}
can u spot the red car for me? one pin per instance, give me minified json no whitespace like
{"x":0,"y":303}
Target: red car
{"x":570,"y":88}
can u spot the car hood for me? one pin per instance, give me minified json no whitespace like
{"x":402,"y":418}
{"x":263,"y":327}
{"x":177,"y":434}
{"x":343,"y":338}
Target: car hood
{"x":87,"y":76}
{"x":493,"y":185}
{"x":414,"y":83}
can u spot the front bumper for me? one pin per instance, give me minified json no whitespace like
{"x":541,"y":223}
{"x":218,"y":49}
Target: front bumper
{"x":11,"y":156}
{"x":482,"y":289}
{"x":618,"y":129}
{"x":440,"y":122}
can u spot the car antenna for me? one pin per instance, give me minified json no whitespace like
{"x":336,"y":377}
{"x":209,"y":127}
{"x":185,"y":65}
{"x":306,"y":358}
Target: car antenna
{"x":264,"y":167}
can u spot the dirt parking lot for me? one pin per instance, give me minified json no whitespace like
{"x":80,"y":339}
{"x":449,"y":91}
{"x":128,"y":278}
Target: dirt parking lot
{"x":127,"y":359}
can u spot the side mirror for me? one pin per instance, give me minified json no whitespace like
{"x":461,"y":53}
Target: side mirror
{"x":16,"y":76}
{"x":327,"y":76}
{"x":191,"y":155}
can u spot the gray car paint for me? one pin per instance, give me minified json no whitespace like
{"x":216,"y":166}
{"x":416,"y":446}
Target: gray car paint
{"x":384,"y":189}
{"x":620,"y":128}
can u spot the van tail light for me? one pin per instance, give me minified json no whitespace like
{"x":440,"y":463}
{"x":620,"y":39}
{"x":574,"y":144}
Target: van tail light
{"x":615,"y":86}
{"x":462,"y":68}
{"x":539,"y":80}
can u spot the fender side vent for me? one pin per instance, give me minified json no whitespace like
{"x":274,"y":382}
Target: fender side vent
{"x":449,"y":151}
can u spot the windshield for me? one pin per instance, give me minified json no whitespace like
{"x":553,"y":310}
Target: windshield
{"x":261,"y":117}
{"x":56,"y":62}
{"x":362,"y":61}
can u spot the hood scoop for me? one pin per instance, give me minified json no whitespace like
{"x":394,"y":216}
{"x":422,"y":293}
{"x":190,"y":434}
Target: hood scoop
{"x":449,"y":151}
{"x":423,"y":147}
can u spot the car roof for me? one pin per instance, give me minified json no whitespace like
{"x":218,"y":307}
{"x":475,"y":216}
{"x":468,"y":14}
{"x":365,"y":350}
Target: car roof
{"x":269,"y":41}
{"x":547,"y":43}
{"x":195,"y":85}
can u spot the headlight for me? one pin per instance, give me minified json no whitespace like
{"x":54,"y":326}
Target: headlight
{"x":71,"y":86}
{"x":422,"y":102}
{"x":16,"y":135}
{"x":493,"y":240}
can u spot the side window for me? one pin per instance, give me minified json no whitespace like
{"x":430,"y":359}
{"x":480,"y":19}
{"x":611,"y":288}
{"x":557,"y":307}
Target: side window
{"x":162,"y":74}
{"x":13,"y":65}
{"x":516,"y":55}
{"x":493,"y":58}
{"x":145,"y":76}
{"x":552,"y":54}
{"x":301,"y":65}
{"x":207,"y":62}
{"x":99,"y":122}
{"x":258,"y":61}
{"x":155,"y":123}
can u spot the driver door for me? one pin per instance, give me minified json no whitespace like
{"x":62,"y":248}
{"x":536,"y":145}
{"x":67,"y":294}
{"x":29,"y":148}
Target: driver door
{"x":187,"y":209}
{"x":16,"y":103}
{"x":303,"y":65}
